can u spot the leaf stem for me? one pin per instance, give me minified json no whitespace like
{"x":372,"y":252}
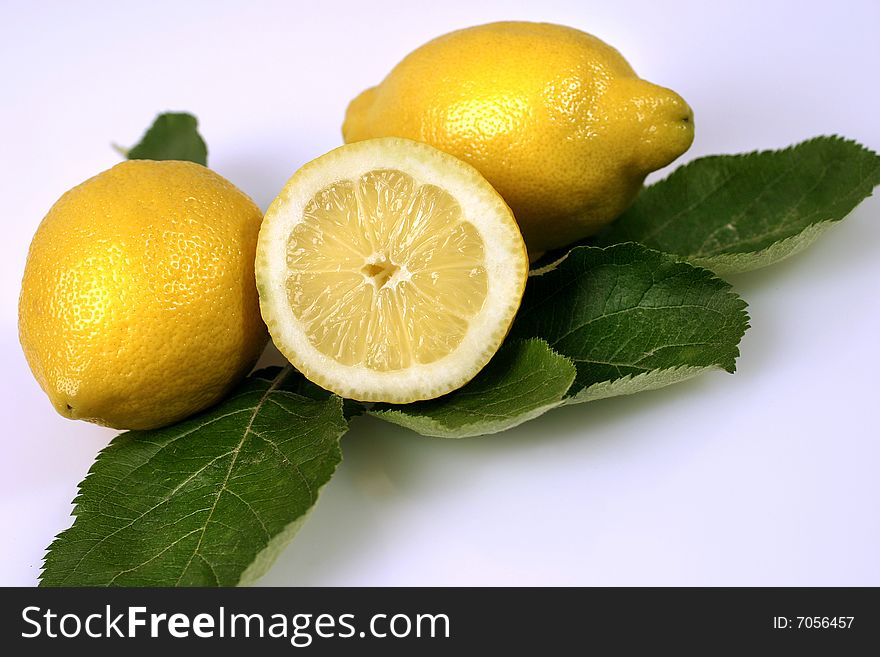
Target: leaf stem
{"x":285,"y":372}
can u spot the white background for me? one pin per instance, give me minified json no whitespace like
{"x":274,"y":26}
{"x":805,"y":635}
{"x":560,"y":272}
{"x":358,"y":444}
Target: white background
{"x":767,"y":477}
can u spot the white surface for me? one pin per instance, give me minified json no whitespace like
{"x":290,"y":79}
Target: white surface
{"x":765,"y":477}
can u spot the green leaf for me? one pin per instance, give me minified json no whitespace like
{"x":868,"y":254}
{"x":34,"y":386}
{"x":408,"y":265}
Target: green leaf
{"x":735,"y":213}
{"x":632,"y":319}
{"x":522,"y":381}
{"x":173,"y":136}
{"x":210,"y":501}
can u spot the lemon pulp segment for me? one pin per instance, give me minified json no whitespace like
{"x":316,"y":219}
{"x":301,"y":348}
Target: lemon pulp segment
{"x":385,"y":272}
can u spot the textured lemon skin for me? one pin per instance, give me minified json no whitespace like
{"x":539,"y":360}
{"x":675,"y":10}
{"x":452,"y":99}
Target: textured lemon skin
{"x":138,"y":304}
{"x":554,"y":118}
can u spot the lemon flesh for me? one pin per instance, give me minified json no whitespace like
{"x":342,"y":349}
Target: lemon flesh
{"x":389,"y":271}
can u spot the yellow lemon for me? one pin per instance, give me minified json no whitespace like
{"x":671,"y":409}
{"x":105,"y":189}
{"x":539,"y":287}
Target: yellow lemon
{"x":555,"y":119}
{"x":138,"y":304}
{"x":389,"y":271}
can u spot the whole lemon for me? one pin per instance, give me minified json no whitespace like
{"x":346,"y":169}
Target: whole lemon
{"x":554,"y":118}
{"x":138,"y":305}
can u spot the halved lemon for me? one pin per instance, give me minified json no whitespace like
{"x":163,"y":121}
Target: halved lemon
{"x":389,"y":271}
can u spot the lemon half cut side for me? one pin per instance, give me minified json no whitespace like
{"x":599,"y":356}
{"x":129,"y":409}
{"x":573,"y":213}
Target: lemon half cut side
{"x":389,"y":271}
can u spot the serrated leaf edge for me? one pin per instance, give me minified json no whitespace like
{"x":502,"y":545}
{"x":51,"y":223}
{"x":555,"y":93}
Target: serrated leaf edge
{"x":440,"y":431}
{"x":402,"y":419}
{"x":732,"y":262}
{"x":712,"y":276}
{"x":739,"y":262}
{"x":611,"y":388}
{"x":264,"y":559}
{"x":151,"y":130}
{"x":761,"y":152}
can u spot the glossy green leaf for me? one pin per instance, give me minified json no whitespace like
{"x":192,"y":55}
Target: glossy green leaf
{"x":734,"y":213}
{"x":210,"y":501}
{"x":173,"y":136}
{"x":632,"y":319}
{"x":524,"y":380}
